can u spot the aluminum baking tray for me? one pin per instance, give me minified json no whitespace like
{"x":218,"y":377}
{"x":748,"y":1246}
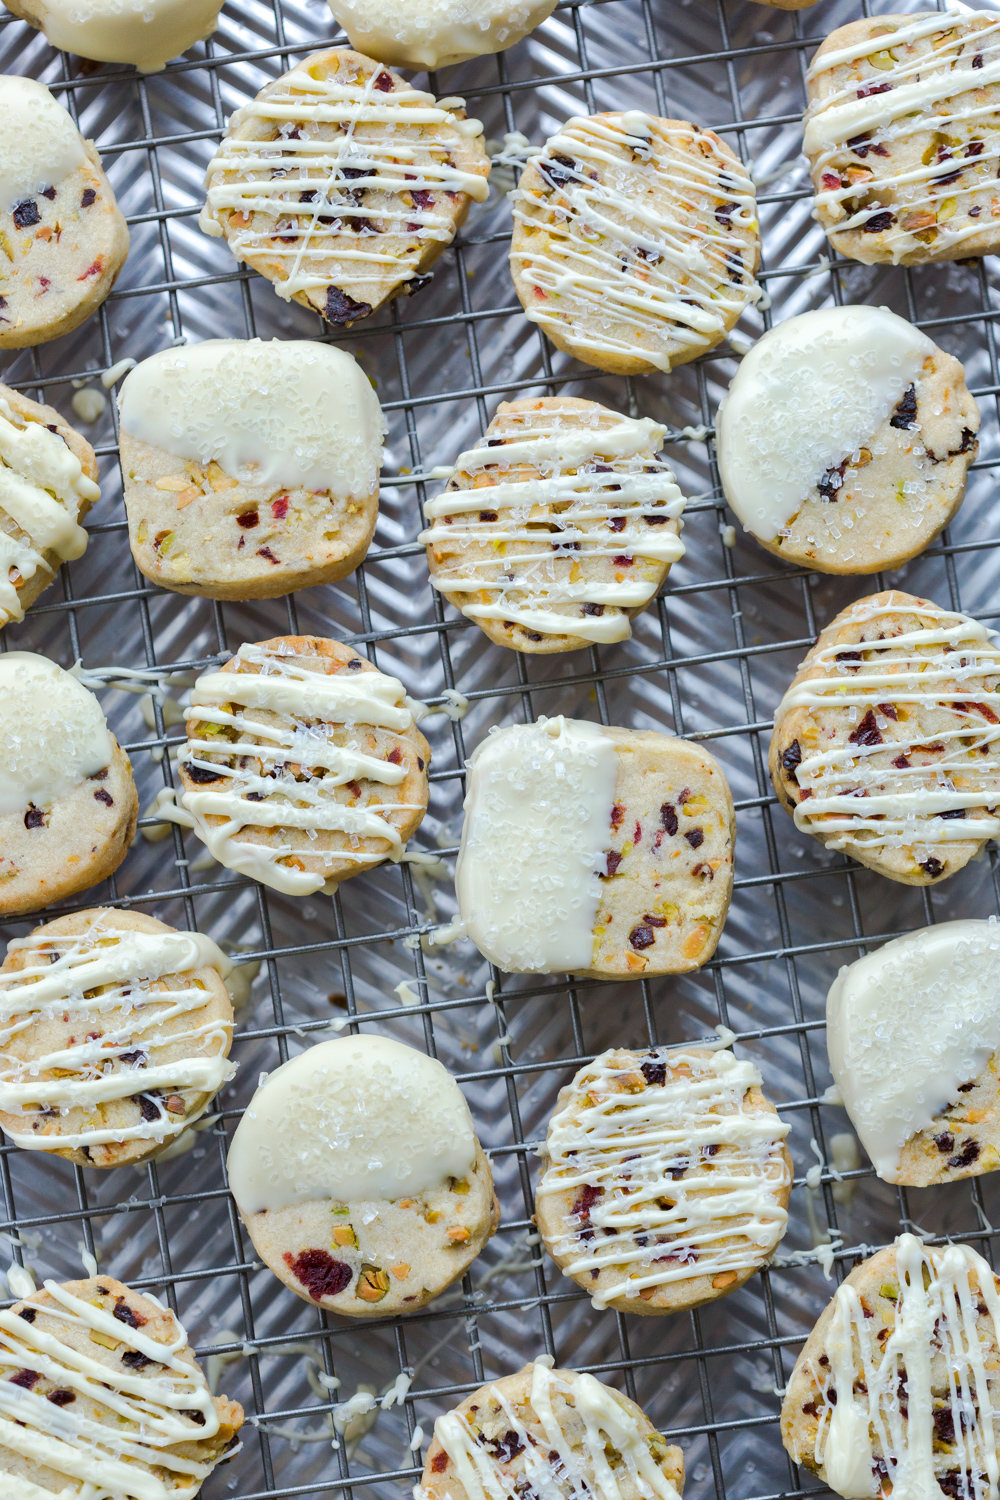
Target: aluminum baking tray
{"x":709,"y":661}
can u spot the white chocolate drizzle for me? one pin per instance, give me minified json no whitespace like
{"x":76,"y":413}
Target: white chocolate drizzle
{"x":146,"y":33}
{"x":42,"y":486}
{"x":394,"y":142}
{"x":667,"y":1209}
{"x":597,"y":491}
{"x":555,"y":1468}
{"x":39,"y":144}
{"x":53,"y":734}
{"x":142,"y":1415}
{"x":908,"y":1025}
{"x":86,"y":976}
{"x":945,"y":663}
{"x":660,"y":250}
{"x":908,"y":96}
{"x":537,"y":823}
{"x":271,"y":797}
{"x":885,"y":1392}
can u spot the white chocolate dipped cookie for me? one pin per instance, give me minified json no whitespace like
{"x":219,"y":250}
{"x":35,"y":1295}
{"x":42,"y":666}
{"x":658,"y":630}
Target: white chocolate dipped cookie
{"x":899,"y":1382}
{"x":100,"y":1394}
{"x":357,"y":1172}
{"x":48,"y":482}
{"x":437,"y":33}
{"x":250,"y":468}
{"x":63,"y":239}
{"x":146,"y":33}
{"x":68,"y":803}
{"x":342,"y":184}
{"x":303,"y":764}
{"x":845,"y":439}
{"x":116,"y":1031}
{"x":886,"y":744}
{"x":564,"y":537}
{"x":549,"y":1432}
{"x":594,"y":850}
{"x":666,"y":1179}
{"x":913,"y":1031}
{"x":635,"y":241}
{"x":903,"y":137}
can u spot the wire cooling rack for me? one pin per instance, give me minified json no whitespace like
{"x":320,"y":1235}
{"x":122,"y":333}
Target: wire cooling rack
{"x":709,"y":660}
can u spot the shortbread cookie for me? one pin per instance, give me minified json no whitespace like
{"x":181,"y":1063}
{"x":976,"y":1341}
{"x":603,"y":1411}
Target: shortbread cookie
{"x":902,"y":134}
{"x":250,"y":469}
{"x":635,"y":241}
{"x":639,"y":1146}
{"x":845,"y":439}
{"x":62,"y":237}
{"x":887,"y":743}
{"x":342,"y":184}
{"x":100,"y":1389}
{"x":117,"y":1033}
{"x":899,"y":1382}
{"x":437,"y":33}
{"x":303,"y":764}
{"x":68,"y":803}
{"x":147,"y":33}
{"x":549,"y":1432}
{"x":48,"y":482}
{"x":593,"y":850}
{"x":913,"y":1031}
{"x":577,"y":531}
{"x":357,"y":1171}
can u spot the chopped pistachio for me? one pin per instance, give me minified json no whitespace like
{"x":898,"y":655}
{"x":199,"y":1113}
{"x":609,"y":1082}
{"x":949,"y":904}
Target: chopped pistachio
{"x":373,"y":1284}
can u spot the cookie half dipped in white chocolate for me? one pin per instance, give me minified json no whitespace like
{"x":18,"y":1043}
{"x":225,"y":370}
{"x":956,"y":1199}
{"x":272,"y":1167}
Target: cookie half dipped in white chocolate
{"x":913,"y":1032}
{"x":437,"y":33}
{"x":595,"y":850}
{"x":250,"y":468}
{"x":146,"y":33}
{"x":358,"y":1174}
{"x":845,"y":439}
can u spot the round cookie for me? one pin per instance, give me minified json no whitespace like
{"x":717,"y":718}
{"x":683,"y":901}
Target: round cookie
{"x":845,"y":440}
{"x":303,"y":764}
{"x":357,"y":1172}
{"x":48,"y":482}
{"x":99,"y":1387}
{"x":251,"y":469}
{"x":63,"y":239}
{"x":326,"y":212}
{"x":577,"y":527}
{"x":147,"y":33}
{"x":437,"y":33}
{"x":902,"y":133}
{"x":68,"y":803}
{"x":913,"y":1031}
{"x":898,"y":1383}
{"x":551,"y":1432}
{"x":633,"y":1154}
{"x":119,"y":1029}
{"x":635,"y":241}
{"x":594,"y":850}
{"x":887,"y":743}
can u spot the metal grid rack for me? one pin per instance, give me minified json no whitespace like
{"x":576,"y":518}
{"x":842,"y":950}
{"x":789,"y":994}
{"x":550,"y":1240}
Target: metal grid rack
{"x":710,"y":660}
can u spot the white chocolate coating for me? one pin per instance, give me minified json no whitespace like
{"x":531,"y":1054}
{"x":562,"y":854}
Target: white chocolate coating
{"x":42,"y":484}
{"x":39,"y":144}
{"x":147,"y":33}
{"x":914,"y":668}
{"x":437,"y":33}
{"x":144,"y":1413}
{"x":909,"y":1023}
{"x":53,"y":734}
{"x":127,"y":967}
{"x":806,"y":397}
{"x":650,"y":1152}
{"x":537,"y":814}
{"x":284,"y":413}
{"x":939,"y":1289}
{"x":362,"y":1117}
{"x":601,"y":510}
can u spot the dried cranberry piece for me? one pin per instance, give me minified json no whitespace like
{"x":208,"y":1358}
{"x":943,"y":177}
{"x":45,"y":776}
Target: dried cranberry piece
{"x":955,"y":812}
{"x":832,"y":481}
{"x":102,"y":796}
{"x":867,"y":732}
{"x":668,"y":817}
{"x":340,"y":308}
{"x":126,"y":1314}
{"x":439,"y":1463}
{"x":614,"y":860}
{"x":879,"y":222}
{"x":932,"y":866}
{"x":791,"y":759}
{"x":867,"y":89}
{"x":134,"y":1359}
{"x":695,"y":837}
{"x":966,"y":1156}
{"x":383,"y":81}
{"x":593,"y":609}
{"x":654,"y":1072}
{"x":25,"y":1379}
{"x":319,"y":1273}
{"x":137,"y":1056}
{"x":968,"y":440}
{"x":25,"y":214}
{"x":417,"y":283}
{"x":503,"y":1449}
{"x":199,"y":773}
{"x":582,"y":1204}
{"x":906,"y":412}
{"x":89,"y":197}
{"x":61,"y":1397}
{"x":29,"y":1314}
{"x":266,"y":552}
{"x":148,"y":1106}
{"x":196,"y":1416}
{"x":944,"y":1141}
{"x":557,"y":170}
{"x":944,"y":1425}
{"x":724,"y":213}
{"x":642,"y":936}
{"x":247,"y":519}
{"x":50,"y":193}
{"x":966,"y":1088}
{"x":34,"y":817}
